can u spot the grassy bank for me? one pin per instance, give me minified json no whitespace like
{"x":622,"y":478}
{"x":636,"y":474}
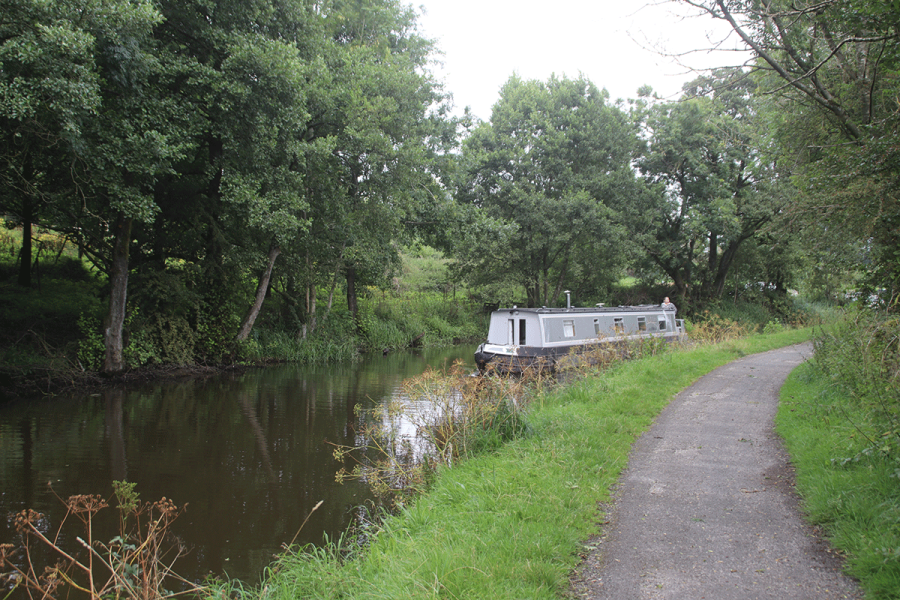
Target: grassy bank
{"x":511,"y":524}
{"x":840,"y":418}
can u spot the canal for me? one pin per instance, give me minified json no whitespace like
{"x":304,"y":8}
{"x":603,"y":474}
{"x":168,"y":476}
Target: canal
{"x":250,"y":454}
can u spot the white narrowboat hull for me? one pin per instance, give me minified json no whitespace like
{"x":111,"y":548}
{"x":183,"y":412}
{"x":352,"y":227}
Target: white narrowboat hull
{"x":523,"y":339}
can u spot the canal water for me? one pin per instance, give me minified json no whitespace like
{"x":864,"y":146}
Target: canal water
{"x":250,"y":454}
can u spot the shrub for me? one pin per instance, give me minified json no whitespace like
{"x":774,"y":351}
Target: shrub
{"x":861,"y":356}
{"x":711,"y":328}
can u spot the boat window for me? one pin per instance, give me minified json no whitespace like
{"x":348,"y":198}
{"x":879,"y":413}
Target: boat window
{"x":597,"y":327}
{"x":569,"y":327}
{"x":511,"y":332}
{"x":642,"y":323}
{"x":662,"y":324}
{"x":619,"y":324}
{"x":521,"y":332}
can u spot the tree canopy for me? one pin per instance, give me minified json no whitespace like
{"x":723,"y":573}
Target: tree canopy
{"x":550,"y":168}
{"x":828,"y":70}
{"x":710,"y":187}
{"x":205,"y":156}
{"x":188,"y":145}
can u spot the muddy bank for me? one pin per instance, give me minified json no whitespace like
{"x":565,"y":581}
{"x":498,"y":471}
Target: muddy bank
{"x":17,"y":384}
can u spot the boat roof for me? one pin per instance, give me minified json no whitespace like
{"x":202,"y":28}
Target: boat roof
{"x":584,"y":310}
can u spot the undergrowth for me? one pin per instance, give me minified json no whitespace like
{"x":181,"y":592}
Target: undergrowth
{"x":393,"y":322}
{"x":440,"y":417}
{"x":840,"y":417}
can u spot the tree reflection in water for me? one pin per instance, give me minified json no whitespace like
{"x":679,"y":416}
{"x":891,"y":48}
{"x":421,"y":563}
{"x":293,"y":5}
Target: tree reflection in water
{"x":249,"y":454}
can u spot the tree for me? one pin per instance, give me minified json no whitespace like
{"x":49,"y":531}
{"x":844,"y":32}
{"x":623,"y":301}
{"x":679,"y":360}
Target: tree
{"x":710,"y":187}
{"x":379,"y":127}
{"x":190,"y":147}
{"x":549,"y":170}
{"x":830,"y":69}
{"x":85,"y":125}
{"x":55,"y":59}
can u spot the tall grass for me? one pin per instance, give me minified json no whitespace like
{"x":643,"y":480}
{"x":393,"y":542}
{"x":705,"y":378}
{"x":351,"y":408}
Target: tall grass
{"x":418,"y":319}
{"x":840,"y":418}
{"x":385,"y":323}
{"x":284,"y":345}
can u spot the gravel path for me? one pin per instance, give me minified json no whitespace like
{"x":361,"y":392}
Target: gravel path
{"x":706,"y":507}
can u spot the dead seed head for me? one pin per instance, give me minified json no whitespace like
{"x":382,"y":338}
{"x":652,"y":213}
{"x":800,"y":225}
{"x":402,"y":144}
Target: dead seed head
{"x":166,"y":506}
{"x":85,"y":503}
{"x":26,"y":519}
{"x":6,"y":554}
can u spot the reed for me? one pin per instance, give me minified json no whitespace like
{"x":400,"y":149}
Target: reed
{"x":440,"y":418}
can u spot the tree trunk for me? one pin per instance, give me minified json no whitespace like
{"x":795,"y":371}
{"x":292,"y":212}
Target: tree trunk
{"x":352,"y":304}
{"x":28,"y":210}
{"x":114,"y":361}
{"x":261,"y":289}
{"x":26,"y":252}
{"x":334,"y":282}
{"x":311,"y":302}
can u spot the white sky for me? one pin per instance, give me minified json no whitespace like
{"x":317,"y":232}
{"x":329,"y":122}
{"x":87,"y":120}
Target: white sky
{"x":608,"y":41}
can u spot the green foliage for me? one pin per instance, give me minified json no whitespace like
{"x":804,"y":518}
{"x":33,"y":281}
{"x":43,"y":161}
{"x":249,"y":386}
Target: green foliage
{"x":391,"y":323}
{"x":90,"y":344}
{"x":166,"y":339}
{"x":128,"y":499}
{"x":425,"y":269}
{"x":712,"y":328}
{"x":549,"y":171}
{"x":226,"y":130}
{"x":752,"y":311}
{"x":39,"y":328}
{"x":861,"y":356}
{"x":836,"y":124}
{"x":840,"y":418}
{"x":281,"y":345}
{"x":710,"y":190}
{"x":773,"y":327}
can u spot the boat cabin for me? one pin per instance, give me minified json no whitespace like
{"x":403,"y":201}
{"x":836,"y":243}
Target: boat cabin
{"x":545,"y":334}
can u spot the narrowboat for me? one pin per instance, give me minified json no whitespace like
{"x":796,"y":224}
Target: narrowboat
{"x":528,"y":338}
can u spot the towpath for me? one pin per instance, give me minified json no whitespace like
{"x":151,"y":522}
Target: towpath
{"x":706,"y":507}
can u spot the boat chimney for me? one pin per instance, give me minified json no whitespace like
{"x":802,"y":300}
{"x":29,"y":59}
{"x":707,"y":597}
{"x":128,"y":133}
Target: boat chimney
{"x":568,"y":299}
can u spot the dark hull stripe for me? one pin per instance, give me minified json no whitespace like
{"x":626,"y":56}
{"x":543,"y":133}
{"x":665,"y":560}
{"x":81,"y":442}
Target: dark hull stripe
{"x":532,"y":358}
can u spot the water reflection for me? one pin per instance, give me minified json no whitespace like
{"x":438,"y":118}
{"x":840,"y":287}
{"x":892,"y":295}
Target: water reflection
{"x":250,"y":454}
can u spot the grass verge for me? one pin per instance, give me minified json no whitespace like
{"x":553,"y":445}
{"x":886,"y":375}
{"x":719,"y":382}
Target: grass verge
{"x":511,"y":524}
{"x":849,"y":486}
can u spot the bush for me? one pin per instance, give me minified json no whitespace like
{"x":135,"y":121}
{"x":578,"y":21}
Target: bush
{"x":712,"y":328}
{"x":840,"y":417}
{"x":861,"y":356}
